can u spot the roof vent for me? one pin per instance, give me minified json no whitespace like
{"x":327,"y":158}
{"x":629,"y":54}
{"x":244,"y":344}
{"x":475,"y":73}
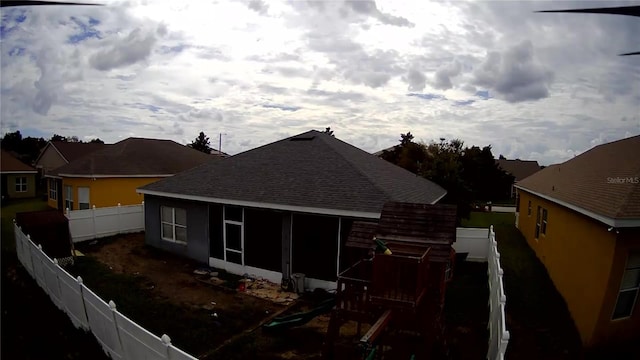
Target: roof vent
{"x":304,"y":137}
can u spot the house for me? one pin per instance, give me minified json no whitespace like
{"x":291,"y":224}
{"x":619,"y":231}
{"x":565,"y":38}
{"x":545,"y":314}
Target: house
{"x":282,"y":208}
{"x":582,"y":219}
{"x":519,"y":169}
{"x":110,"y":176}
{"x":18,"y":178}
{"x":58,"y":153}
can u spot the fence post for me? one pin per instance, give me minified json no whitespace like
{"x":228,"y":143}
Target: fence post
{"x":166,"y":340}
{"x":143,"y":214}
{"x":119,"y":221}
{"x":112,"y":305}
{"x":84,"y":306}
{"x":93,"y":215}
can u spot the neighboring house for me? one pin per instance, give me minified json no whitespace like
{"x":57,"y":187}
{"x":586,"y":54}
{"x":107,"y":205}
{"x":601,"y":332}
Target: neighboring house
{"x":283,"y":208}
{"x":18,"y":178}
{"x":110,"y":176}
{"x":519,"y":169}
{"x":582,"y":219}
{"x":58,"y":153}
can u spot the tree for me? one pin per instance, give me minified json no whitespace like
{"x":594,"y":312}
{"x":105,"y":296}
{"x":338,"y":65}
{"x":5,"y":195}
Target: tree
{"x":12,"y":141}
{"x":96,"y":141}
{"x":201,"y":143}
{"x":501,"y":157}
{"x":328,"y":131}
{"x":73,"y":139}
{"x":57,"y":137}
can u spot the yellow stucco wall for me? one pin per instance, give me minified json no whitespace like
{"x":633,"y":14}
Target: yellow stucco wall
{"x":104,"y":192}
{"x":11,"y":186}
{"x":578,"y":253}
{"x":620,"y":330}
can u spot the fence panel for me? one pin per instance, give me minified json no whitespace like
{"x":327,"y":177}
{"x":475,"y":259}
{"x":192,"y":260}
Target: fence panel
{"x":51,"y":281}
{"x":71,"y":296}
{"x":20,"y":243}
{"x":473,"y":241}
{"x":102,"y":222}
{"x":137,"y":342}
{"x":102,"y":323}
{"x":177,"y":354}
{"x":498,"y":333}
{"x":26,"y":252}
{"x":38,"y":271}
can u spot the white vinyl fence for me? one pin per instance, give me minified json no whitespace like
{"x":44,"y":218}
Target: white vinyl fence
{"x":102,"y":222}
{"x":119,"y":337}
{"x":498,"y":333}
{"x":474,"y":241}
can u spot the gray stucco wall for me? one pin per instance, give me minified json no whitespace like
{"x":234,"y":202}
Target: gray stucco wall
{"x":197,"y":246}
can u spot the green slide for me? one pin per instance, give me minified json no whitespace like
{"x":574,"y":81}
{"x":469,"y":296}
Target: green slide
{"x":285,"y":322}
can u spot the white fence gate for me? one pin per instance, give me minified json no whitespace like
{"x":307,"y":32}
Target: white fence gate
{"x":102,"y":222}
{"x":119,"y":337}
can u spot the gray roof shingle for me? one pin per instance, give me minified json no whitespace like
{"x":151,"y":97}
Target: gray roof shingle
{"x":312,"y":169}
{"x":137,"y":156}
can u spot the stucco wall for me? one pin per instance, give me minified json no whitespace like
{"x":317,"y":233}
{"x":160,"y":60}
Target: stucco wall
{"x":197,"y":246}
{"x":104,"y":192}
{"x":50,"y":160}
{"x":11,"y":186}
{"x":578,"y":253}
{"x":619,"y":330}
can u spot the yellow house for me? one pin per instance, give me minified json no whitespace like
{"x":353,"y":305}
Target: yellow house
{"x":582,"y":219}
{"x":18,"y":178}
{"x":110,"y":176}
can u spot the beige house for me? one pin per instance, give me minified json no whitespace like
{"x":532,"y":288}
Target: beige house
{"x":18,"y":178}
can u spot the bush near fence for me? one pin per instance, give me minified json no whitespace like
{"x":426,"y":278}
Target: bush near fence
{"x":119,"y":337}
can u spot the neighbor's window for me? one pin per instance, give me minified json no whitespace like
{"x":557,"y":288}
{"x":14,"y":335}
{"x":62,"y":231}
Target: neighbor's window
{"x":68,"y":197}
{"x":53,"y":189}
{"x":21,"y":184}
{"x":629,"y":287}
{"x":538,"y":216}
{"x":544,"y":221}
{"x":174,"y":224}
{"x":83,"y":198}
{"x":529,"y":208}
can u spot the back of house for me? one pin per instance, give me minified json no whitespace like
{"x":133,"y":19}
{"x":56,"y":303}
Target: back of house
{"x":282,"y":208}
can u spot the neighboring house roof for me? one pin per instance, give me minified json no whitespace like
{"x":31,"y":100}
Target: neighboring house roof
{"x":70,"y":151}
{"x":218,"y":153}
{"x":380,"y":152}
{"x":135,"y":157}
{"x":603,"y":183}
{"x":520,"y":169}
{"x":10,"y":164}
{"x":312,"y":170}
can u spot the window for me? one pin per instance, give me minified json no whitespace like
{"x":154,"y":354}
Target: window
{"x":529,"y":208}
{"x":174,"y":224}
{"x":53,"y":189}
{"x":68,"y":197}
{"x":544,"y":222}
{"x":538,"y":216}
{"x":629,"y":287}
{"x":21,"y":184}
{"x":83,"y":198}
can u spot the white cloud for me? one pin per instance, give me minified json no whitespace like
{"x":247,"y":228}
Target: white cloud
{"x":259,"y":70}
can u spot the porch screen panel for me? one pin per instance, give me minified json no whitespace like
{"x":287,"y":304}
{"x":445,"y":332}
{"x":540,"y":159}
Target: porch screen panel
{"x":263,"y":239}
{"x":216,"y":247}
{"x":315,"y":246}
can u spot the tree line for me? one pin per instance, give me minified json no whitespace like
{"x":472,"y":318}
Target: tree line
{"x":467,"y":173}
{"x":28,"y":148}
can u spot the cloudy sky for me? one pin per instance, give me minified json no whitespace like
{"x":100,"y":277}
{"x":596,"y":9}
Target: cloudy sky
{"x":534,"y":86}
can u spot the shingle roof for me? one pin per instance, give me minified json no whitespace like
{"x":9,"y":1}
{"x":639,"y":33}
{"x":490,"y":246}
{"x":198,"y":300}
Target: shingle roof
{"x":72,"y":151}
{"x":520,"y":169}
{"x":9,"y":163}
{"x":137,"y":156}
{"x":604,"y":180}
{"x":312,"y":169}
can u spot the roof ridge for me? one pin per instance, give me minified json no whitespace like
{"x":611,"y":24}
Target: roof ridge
{"x":357,"y":168}
{"x":633,"y":189}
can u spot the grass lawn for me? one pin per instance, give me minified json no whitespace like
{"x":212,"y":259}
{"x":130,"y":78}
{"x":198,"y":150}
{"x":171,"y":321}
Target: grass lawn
{"x":32,"y":327}
{"x":537,"y":316}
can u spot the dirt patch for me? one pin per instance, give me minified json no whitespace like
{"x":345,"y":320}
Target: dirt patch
{"x":169,"y":276}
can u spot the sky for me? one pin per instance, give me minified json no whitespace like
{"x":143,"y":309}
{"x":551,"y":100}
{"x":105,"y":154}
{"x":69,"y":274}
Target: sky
{"x":534,"y":86}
